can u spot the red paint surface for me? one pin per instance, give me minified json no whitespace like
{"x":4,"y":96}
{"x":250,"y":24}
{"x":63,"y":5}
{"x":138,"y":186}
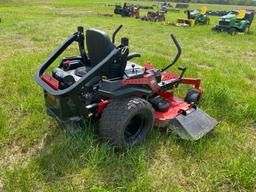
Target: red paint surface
{"x":52,"y":82}
{"x":176,"y":106}
{"x":102,"y":105}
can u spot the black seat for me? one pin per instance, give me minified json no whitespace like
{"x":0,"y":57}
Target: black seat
{"x":99,"y":45}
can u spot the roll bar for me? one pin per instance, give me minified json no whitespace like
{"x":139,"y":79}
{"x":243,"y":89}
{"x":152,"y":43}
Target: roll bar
{"x":79,"y":37}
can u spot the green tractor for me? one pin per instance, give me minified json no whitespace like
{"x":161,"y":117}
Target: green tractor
{"x":235,"y":22}
{"x":200,"y":16}
{"x":195,"y":17}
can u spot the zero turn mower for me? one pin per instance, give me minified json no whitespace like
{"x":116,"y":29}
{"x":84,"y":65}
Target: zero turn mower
{"x":158,"y":16}
{"x":126,"y":98}
{"x":235,"y":22}
{"x":127,"y":10}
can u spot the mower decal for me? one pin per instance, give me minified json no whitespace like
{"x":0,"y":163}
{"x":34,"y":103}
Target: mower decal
{"x":147,"y":80}
{"x":169,"y":76}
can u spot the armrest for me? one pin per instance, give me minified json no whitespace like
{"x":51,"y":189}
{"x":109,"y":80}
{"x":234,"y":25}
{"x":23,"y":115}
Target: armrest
{"x":132,"y":55}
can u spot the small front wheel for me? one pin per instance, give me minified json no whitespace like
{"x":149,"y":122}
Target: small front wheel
{"x":126,"y":122}
{"x":193,"y":96}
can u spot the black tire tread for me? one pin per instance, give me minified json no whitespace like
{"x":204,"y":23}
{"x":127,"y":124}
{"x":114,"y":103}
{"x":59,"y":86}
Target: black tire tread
{"x":112,"y":119}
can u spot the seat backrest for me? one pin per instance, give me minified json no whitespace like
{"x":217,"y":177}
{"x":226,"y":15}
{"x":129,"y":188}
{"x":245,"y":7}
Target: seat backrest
{"x":241,"y":14}
{"x":99,"y":45}
{"x":203,"y":10}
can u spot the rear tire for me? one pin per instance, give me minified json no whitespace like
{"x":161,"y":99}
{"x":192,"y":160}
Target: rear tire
{"x":126,"y":122}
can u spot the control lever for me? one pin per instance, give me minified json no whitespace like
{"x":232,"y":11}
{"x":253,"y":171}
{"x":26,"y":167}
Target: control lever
{"x":183,"y":70}
{"x":132,"y":55}
{"x":115,"y":32}
{"x":133,"y":68}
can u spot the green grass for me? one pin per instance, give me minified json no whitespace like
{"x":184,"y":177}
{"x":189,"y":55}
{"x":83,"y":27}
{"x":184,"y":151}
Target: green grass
{"x":38,"y":155}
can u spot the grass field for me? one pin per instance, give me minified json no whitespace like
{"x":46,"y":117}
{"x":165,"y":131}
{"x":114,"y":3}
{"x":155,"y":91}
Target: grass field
{"x":38,"y":155}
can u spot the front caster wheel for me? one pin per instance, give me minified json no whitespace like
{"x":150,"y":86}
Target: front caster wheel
{"x":193,"y":96}
{"x":126,"y":122}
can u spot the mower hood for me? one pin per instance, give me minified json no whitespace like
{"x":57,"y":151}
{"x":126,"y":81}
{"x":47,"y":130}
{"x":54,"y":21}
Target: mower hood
{"x":192,"y":14}
{"x":195,"y":12}
{"x":229,"y":16}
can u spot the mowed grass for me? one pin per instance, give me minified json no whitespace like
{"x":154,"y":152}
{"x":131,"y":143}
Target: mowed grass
{"x":38,"y":155}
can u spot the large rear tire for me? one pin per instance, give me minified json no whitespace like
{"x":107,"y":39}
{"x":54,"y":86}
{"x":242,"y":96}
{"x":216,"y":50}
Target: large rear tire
{"x":126,"y":122}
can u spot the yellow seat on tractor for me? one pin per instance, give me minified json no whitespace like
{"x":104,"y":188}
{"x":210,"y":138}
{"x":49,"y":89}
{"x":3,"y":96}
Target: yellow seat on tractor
{"x":194,"y":17}
{"x":203,"y":10}
{"x":241,"y":14}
